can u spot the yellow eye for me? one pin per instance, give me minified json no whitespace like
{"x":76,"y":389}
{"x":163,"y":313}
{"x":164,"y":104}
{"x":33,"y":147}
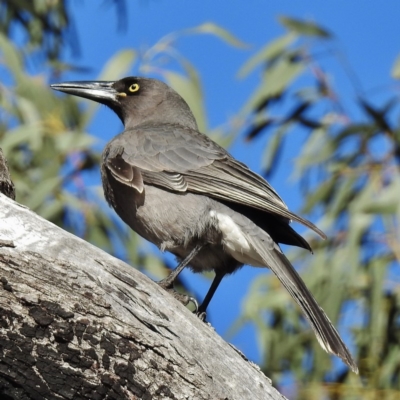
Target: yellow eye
{"x":134,"y":87}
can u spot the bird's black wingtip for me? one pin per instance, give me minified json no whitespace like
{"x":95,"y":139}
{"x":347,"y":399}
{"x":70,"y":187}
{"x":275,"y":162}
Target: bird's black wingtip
{"x":349,"y":361}
{"x":339,"y":349}
{"x":352,"y":364}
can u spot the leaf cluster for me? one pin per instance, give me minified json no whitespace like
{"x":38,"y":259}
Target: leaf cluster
{"x":349,"y":175}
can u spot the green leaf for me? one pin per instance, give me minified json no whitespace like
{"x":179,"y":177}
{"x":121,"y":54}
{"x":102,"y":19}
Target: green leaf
{"x":304,"y":28}
{"x":389,"y":369}
{"x":319,"y":195}
{"x":43,"y":190}
{"x":276,"y":79}
{"x":20,"y":135}
{"x":267,"y":53}
{"x":378,"y":321}
{"x":364,"y":130}
{"x":73,"y":141}
{"x":118,"y":66}
{"x":273,"y":148}
{"x":317,"y":149}
{"x":380,"y":201}
{"x":28,"y":111}
{"x":396,"y":68}
{"x":222,"y":33}
{"x":11,"y":58}
{"x":359,"y":223}
{"x":343,"y":192}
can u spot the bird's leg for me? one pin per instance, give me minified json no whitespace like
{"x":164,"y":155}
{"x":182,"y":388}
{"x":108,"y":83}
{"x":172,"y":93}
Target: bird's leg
{"x":168,"y":282}
{"x":201,"y":311}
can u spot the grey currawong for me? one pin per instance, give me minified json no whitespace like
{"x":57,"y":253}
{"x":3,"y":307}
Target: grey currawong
{"x":178,"y":189}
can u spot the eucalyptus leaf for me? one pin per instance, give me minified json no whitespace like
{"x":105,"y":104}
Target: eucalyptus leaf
{"x":270,"y":51}
{"x":306,"y":28}
{"x":42,"y":191}
{"x":396,"y":68}
{"x":214,"y":29}
{"x":275,"y":80}
{"x":118,"y":66}
{"x":273,"y":149}
{"x":67,"y":142}
{"x":11,"y":57}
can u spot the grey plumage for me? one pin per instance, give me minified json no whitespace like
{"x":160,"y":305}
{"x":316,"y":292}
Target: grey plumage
{"x":178,"y":189}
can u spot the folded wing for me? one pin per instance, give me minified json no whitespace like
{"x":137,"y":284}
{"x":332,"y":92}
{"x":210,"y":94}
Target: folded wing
{"x":180,"y":159}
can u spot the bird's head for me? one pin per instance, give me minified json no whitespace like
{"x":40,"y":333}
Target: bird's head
{"x":135,"y":100}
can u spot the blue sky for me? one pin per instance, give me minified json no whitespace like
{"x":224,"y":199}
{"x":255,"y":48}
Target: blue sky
{"x":366,"y":32}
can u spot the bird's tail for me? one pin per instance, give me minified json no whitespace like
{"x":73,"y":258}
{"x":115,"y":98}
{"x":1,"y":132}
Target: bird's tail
{"x":327,"y":335}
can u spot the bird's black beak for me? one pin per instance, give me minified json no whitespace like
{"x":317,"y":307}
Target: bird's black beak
{"x":100,"y":91}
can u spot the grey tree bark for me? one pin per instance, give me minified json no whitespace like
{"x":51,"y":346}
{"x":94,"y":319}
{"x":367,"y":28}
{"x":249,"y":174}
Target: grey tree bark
{"x":76,"y":323}
{"x":6,"y":184}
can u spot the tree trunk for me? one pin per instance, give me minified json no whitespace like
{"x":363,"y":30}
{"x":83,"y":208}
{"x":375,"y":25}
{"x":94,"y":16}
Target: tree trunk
{"x":77,"y":323}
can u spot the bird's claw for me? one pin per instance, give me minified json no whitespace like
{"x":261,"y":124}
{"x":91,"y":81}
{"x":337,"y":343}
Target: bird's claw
{"x":195,"y":303}
{"x":201,"y":315}
{"x":182,"y":298}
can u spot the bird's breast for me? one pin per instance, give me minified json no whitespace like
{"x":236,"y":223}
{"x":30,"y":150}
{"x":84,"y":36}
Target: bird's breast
{"x":165,"y":218}
{"x":177,"y":222}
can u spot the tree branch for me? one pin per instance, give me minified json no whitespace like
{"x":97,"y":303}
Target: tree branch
{"x":77,"y":323}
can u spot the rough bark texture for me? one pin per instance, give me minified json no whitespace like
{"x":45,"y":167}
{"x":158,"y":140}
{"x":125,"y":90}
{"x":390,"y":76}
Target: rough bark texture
{"x":6,"y":184}
{"x":76,"y":323}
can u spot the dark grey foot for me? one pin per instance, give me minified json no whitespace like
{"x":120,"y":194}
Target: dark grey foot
{"x":168,"y":282}
{"x":185,"y":299}
{"x":202,"y":315}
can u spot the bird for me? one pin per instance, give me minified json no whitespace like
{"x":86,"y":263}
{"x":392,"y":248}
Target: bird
{"x":180,"y":190}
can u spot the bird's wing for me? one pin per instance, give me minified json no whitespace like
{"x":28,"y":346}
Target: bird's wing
{"x":181,"y":159}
